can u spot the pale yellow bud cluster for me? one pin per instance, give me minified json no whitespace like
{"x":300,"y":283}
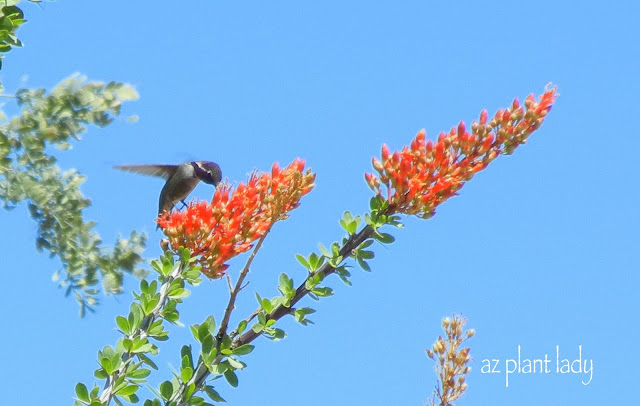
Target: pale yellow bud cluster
{"x":451,"y":361}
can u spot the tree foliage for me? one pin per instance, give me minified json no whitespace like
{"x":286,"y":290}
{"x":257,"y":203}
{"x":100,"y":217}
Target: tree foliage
{"x":11,"y":18}
{"x":28,"y":173}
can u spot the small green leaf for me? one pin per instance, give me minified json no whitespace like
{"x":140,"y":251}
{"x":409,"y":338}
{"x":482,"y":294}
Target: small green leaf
{"x":257,"y":328}
{"x":81,"y":392}
{"x":384,"y":238}
{"x":322,"y":291}
{"x":266,"y":305}
{"x":365,"y":244}
{"x":187,"y":357}
{"x":231,"y":378}
{"x":203,"y":332}
{"x":242,"y":326}
{"x":314,"y":261}
{"x":100,"y":374}
{"x":324,"y":251}
{"x":234,"y":363}
{"x":243,"y":349}
{"x":139,"y":373}
{"x":186,"y":374}
{"x":303,"y":261}
{"x":207,"y":345}
{"x":128,"y":390}
{"x":196,"y":401}
{"x":363,"y":264}
{"x":366,"y":254}
{"x":179,"y":293}
{"x":123,"y":324}
{"x":148,"y":361}
{"x":166,"y":390}
{"x":213,"y":394}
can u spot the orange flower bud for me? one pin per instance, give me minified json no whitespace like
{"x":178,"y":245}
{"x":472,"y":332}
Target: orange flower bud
{"x":483,"y":117}
{"x":385,"y":152}
{"x":461,"y":128}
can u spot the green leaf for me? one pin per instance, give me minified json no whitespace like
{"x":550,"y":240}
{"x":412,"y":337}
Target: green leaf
{"x":144,"y":348}
{"x":195,"y":331}
{"x":179,"y":293}
{"x":300,"y":315}
{"x":135,"y":316}
{"x":126,"y":92}
{"x":266,"y":305}
{"x":324,"y":251}
{"x":213,"y":394}
{"x":203,"y":332}
{"x":242,"y":326}
{"x":314,"y":261}
{"x":106,"y":364}
{"x":231,"y":378}
{"x":366,"y":254}
{"x":207,"y":345}
{"x":166,"y":390}
{"x":235,"y":364}
{"x":196,"y":401}
{"x":322,"y":291}
{"x":363,"y":264}
{"x":139,"y":373}
{"x":262,"y":317}
{"x":219,"y":369}
{"x":375,"y":202}
{"x":257,"y":328}
{"x":81,"y":392}
{"x":147,"y":361}
{"x":127,"y":344}
{"x":128,"y":390}
{"x":226,"y":342}
{"x":243,"y":349}
{"x":187,"y":356}
{"x":186,"y":374}
{"x":365,"y":244}
{"x":100,"y":374}
{"x":303,"y":261}
{"x":384,"y":238}
{"x":286,"y":283}
{"x":123,"y":324}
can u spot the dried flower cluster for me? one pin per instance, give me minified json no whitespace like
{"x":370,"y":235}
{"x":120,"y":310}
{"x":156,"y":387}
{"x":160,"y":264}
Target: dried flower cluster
{"x":218,"y":231}
{"x":425,"y":174}
{"x":451,"y":366}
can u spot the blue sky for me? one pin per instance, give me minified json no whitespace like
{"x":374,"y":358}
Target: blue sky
{"x":538,"y":251}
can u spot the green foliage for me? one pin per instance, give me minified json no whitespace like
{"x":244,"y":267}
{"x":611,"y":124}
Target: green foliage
{"x":11,"y":18}
{"x":125,"y":367}
{"x":28,"y":172}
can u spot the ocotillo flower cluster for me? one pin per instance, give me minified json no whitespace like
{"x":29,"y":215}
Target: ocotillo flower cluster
{"x":234,"y":219}
{"x":423,"y":175}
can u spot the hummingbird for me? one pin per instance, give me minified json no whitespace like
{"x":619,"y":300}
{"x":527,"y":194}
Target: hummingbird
{"x":181,"y":179}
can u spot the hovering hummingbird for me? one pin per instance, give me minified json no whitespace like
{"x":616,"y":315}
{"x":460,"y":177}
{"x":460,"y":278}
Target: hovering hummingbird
{"x":181,"y":179}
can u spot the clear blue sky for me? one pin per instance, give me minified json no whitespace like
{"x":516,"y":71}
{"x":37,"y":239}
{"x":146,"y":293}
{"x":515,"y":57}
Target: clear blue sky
{"x":540,"y":250}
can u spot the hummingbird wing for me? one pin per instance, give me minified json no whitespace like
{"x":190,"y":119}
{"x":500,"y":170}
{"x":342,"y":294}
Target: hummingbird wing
{"x":163,"y":171}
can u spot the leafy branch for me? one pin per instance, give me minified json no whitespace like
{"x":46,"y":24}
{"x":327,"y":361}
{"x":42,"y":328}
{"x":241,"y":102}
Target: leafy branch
{"x":28,"y":172}
{"x":122,"y":367}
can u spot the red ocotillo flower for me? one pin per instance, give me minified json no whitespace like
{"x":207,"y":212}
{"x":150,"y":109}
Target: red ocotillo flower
{"x":234,"y":219}
{"x":421,"y":176}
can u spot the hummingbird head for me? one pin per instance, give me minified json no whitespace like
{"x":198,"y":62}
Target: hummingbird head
{"x":207,"y":171}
